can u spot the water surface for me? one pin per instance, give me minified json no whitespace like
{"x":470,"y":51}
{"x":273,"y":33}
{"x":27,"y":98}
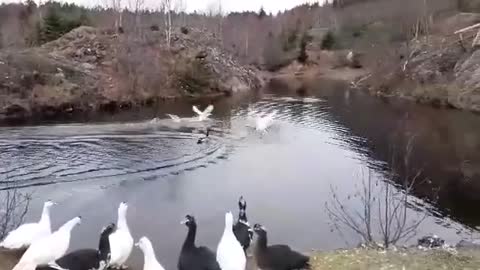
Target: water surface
{"x":330,"y":139}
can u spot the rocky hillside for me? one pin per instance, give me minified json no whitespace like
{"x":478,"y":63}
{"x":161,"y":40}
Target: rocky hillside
{"x":90,"y":69}
{"x":437,"y":70}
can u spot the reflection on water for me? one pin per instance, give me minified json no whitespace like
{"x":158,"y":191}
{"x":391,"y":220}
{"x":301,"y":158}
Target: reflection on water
{"x":285,"y":175}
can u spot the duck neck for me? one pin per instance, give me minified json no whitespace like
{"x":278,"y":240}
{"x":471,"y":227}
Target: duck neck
{"x":67,"y":227}
{"x":228,"y":229}
{"x":190,"y":240}
{"x":122,"y":221}
{"x":45,"y":218}
{"x":242,"y":216}
{"x":104,"y":246}
{"x":149,"y":257}
{"x":262,"y":241}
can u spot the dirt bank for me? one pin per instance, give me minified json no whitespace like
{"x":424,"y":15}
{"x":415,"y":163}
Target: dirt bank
{"x":90,"y":69}
{"x":321,"y":66}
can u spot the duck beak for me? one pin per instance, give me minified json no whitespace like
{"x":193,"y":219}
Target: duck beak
{"x":137,"y":244}
{"x":184,"y":221}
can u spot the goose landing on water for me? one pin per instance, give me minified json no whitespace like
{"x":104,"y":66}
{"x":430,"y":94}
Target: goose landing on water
{"x":230,"y":254}
{"x":86,"y":259}
{"x":121,"y":241}
{"x":150,"y":260}
{"x":276,"y":256}
{"x":262,"y":123}
{"x":242,"y":229}
{"x":26,"y":234}
{"x":49,"y":248}
{"x":205,"y":114}
{"x":193,"y":257}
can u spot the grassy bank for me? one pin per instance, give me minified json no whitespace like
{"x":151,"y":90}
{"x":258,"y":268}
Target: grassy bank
{"x":360,"y":259}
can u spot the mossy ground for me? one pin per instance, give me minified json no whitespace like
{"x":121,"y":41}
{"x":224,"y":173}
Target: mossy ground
{"x":360,"y":259}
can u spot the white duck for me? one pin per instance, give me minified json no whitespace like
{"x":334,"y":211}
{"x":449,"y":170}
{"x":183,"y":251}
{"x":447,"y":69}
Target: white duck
{"x":175,"y":118}
{"x":263,"y":123}
{"x":205,"y":114}
{"x":150,"y":260}
{"x":121,"y":241}
{"x":26,"y":234}
{"x":49,"y":248}
{"x":230,"y":254}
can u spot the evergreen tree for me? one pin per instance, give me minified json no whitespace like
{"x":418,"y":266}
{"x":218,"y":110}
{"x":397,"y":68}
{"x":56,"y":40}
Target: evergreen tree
{"x":262,"y":13}
{"x":52,"y":26}
{"x":303,"y":56}
{"x":328,"y":41}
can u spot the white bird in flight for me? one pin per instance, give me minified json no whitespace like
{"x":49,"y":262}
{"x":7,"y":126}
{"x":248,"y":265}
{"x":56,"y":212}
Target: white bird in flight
{"x":205,"y":114}
{"x":175,"y":118}
{"x":262,"y":123}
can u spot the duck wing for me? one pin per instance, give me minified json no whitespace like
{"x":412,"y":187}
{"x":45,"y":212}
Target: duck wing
{"x":243,"y":233}
{"x":174,"y":117}
{"x":210,"y":260}
{"x":77,"y":260}
{"x":285,"y":256}
{"x":208,"y":110}
{"x":196,"y":110}
{"x":23,"y":236}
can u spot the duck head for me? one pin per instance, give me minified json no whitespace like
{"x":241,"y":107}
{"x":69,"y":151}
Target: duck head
{"x":189,"y":221}
{"x":122,"y":209}
{"x":242,"y":204}
{"x":259,"y":229}
{"x":144,"y":244}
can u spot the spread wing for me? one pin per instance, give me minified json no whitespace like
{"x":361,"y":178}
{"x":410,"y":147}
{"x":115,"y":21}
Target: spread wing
{"x":174,"y":117}
{"x":208,"y":110}
{"x":196,"y":110}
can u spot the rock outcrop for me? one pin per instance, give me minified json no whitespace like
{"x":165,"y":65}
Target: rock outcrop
{"x":91,"y":69}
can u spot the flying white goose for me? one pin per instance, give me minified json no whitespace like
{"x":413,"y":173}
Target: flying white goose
{"x":49,"y":248}
{"x":262,"y":123}
{"x":150,"y":260}
{"x":26,"y":234}
{"x":205,"y":114}
{"x":121,"y":241}
{"x":174,"y":118}
{"x":230,"y":254}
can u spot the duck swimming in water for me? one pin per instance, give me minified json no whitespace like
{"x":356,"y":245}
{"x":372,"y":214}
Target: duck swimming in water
{"x":204,"y":139}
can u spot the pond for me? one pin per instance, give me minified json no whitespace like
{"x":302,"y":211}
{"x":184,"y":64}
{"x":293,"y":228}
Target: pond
{"x":329,"y":140}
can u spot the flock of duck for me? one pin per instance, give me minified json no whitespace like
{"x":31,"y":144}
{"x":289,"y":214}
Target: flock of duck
{"x":46,"y":250}
{"x":262,"y":122}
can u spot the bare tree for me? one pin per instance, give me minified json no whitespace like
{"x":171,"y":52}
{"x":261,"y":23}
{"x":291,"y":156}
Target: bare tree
{"x":116,"y":6}
{"x":180,"y":7}
{"x":137,"y":6}
{"x":384,"y":218}
{"x":166,"y":8}
{"x":13,"y":208}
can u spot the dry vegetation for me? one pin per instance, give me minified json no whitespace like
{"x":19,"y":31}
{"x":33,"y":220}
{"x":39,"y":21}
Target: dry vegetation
{"x":136,"y":48}
{"x":411,"y":259}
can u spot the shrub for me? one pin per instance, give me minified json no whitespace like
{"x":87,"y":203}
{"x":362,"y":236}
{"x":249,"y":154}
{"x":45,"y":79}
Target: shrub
{"x":303,"y":56}
{"x":193,"y":76}
{"x":184,"y":30}
{"x":328,"y":41}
